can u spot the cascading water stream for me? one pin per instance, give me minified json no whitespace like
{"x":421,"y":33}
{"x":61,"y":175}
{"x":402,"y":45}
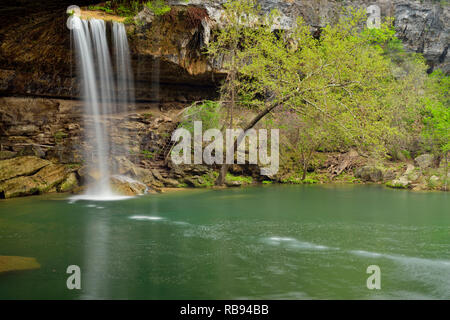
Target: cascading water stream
{"x":125,"y":80}
{"x":100,"y":99}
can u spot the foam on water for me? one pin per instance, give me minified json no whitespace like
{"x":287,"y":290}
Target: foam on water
{"x":143,"y":218}
{"x":296,"y":244}
{"x":404,"y":259}
{"x":98,"y":197}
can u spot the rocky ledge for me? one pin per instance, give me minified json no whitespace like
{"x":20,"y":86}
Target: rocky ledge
{"x":30,"y":175}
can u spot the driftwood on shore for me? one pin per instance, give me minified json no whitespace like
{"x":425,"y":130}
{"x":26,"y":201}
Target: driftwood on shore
{"x":339,"y":163}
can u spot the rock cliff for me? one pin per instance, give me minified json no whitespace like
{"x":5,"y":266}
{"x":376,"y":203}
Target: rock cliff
{"x":36,"y":56}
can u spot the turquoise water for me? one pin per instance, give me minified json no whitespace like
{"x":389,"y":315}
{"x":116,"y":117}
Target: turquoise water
{"x":274,"y":242}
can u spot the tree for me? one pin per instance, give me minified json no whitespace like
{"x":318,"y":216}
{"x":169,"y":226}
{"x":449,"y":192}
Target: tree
{"x":343,"y":78}
{"x":437,"y":113}
{"x":302,"y":135}
{"x":226,"y":48}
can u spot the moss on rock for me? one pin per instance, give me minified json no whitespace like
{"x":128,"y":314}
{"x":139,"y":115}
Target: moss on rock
{"x":21,"y":166}
{"x":69,"y":184}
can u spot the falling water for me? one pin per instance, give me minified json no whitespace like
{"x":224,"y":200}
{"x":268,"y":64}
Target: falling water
{"x":99,"y":94}
{"x":94,"y":107}
{"x":125,"y":82}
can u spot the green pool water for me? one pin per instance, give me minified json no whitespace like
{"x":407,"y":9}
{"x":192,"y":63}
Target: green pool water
{"x":272,"y":242}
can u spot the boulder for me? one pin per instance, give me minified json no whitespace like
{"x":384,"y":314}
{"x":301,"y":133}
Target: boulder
{"x":44,"y":180}
{"x":19,"y":187}
{"x":195,"y":181}
{"x":389,"y":175}
{"x":69,"y":184}
{"x":369,"y":173}
{"x":125,"y":166}
{"x":127,"y":186}
{"x":400,"y":183}
{"x":186,"y":170}
{"x":171,"y":182}
{"x":425,"y":161}
{"x":146,"y":176}
{"x":50,"y":176}
{"x":234,"y":183}
{"x":83,"y":172}
{"x":21,"y":166}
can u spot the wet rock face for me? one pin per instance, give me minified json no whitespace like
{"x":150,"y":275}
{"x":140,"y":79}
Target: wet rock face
{"x":23,"y":166}
{"x":29,"y":175}
{"x":54,"y":129}
{"x":425,"y":27}
{"x":422,"y":25}
{"x":43,"y":144}
{"x":36,"y":56}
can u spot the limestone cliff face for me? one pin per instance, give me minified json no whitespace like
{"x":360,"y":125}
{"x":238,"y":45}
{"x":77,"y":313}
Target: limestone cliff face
{"x":423,"y":25}
{"x":36,"y":56}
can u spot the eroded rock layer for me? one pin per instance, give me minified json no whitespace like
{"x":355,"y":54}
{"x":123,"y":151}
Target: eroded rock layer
{"x":36,"y":56}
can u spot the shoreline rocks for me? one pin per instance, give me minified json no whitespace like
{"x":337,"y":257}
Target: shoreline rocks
{"x":29,"y":175}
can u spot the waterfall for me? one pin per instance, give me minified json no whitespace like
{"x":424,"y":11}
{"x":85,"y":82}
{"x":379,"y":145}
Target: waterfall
{"x":103,"y":95}
{"x":124,"y":78}
{"x":125,"y":82}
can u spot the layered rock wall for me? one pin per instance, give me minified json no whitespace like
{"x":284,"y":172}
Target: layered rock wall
{"x":36,"y":56}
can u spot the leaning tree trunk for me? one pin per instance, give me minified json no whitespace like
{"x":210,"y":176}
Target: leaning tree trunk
{"x":224,"y":168}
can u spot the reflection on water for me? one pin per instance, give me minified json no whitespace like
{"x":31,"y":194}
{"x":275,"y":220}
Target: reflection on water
{"x":292,"y":242}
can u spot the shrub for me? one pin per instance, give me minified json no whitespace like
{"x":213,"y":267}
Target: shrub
{"x":158,"y":7}
{"x":246,"y":180}
{"x":208,"y":112}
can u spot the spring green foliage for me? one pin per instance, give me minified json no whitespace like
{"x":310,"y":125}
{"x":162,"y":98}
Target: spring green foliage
{"x":339,"y":86}
{"x":226,"y":48}
{"x":208,"y":112}
{"x":105,"y":8}
{"x":437,"y":113}
{"x":158,"y":7}
{"x":243,"y":179}
{"x":352,"y":88}
{"x":128,"y":9}
{"x":123,"y":8}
